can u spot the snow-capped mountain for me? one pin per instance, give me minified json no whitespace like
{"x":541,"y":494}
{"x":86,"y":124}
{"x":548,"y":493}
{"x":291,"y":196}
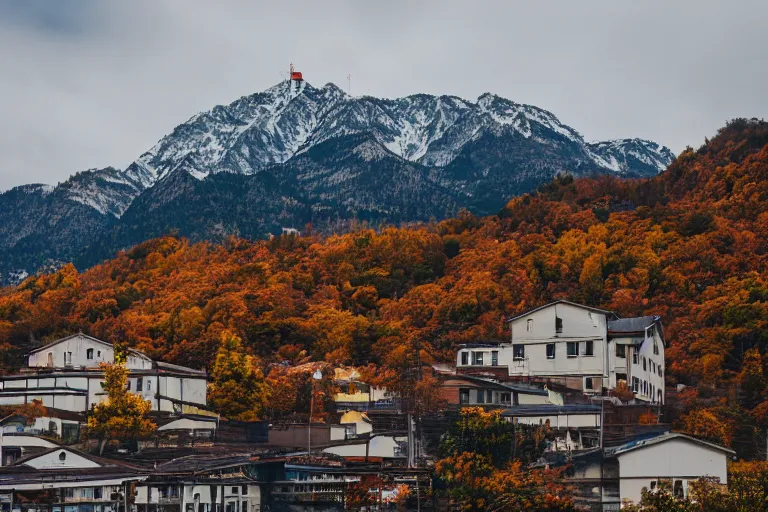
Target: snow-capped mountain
{"x":271,"y":127}
{"x":295,"y":154}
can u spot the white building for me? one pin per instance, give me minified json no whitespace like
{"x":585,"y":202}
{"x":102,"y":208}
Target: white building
{"x":579,"y":347}
{"x":66,"y":375}
{"x":673,"y":458}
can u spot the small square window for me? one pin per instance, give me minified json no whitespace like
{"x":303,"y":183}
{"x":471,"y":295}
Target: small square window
{"x":621,"y":351}
{"x":463,"y":396}
{"x":573,"y":348}
{"x":589,"y":348}
{"x":518,"y":352}
{"x":550,"y":350}
{"x":477,"y":358}
{"x":89,"y":353}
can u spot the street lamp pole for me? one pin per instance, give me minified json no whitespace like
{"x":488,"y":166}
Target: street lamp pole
{"x":315,"y":376}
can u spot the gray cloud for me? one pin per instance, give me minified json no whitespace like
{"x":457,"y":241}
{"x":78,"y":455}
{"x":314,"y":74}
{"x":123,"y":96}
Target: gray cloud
{"x":90,"y":83}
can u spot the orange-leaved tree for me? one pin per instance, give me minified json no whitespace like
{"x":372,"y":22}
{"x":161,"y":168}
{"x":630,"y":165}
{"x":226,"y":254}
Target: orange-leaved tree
{"x":122,"y":415}
{"x":238,"y":391}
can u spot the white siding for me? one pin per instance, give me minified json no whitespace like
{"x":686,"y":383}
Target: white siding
{"x":677,"y":458}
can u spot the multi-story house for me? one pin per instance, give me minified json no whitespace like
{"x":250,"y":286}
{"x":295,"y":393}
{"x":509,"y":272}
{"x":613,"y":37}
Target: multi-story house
{"x":66,"y":375}
{"x":578,"y":347}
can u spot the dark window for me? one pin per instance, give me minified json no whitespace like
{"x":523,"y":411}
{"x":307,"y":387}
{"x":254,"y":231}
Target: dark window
{"x":234,"y":490}
{"x":558,"y":324}
{"x":620,"y":377}
{"x":660,"y":372}
{"x":89,"y":353}
{"x":477,"y":358}
{"x":518,"y":351}
{"x":139,"y":384}
{"x":550,"y":350}
{"x":589,"y":348}
{"x":489,"y":397}
{"x":645,"y":364}
{"x":653,"y":484}
{"x":655,"y":347}
{"x":244,"y":507}
{"x":678,"y":489}
{"x":635,"y":357}
{"x":464,"y":358}
{"x":621,"y":351}
{"x":588,"y":383}
{"x":463,"y":396}
{"x":243,"y":489}
{"x":97,"y":493}
{"x":63,"y":456}
{"x":480,"y":396}
{"x":495,"y":358}
{"x":573,"y":348}
{"x":506,"y":398}
{"x":635,"y":385}
{"x":128,"y":385}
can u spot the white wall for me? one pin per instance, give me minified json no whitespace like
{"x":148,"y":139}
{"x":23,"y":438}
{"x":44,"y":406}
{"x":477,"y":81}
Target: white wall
{"x":677,"y":458}
{"x":52,"y":461}
{"x":651,"y":372}
{"x":380,"y":446}
{"x":78,"y":346}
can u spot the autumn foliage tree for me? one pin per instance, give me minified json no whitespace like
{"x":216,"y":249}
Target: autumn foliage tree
{"x":122,"y":415}
{"x":238,"y":390}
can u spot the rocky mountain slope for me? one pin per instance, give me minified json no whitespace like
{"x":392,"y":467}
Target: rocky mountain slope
{"x":296,"y":154}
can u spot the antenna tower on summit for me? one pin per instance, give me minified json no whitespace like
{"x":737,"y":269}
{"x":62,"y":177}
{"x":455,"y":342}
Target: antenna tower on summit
{"x":295,"y":77}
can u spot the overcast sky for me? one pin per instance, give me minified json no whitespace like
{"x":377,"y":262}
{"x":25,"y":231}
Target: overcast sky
{"x":92,"y":83}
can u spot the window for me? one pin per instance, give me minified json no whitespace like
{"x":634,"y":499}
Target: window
{"x":518,"y":352}
{"x":98,"y":353}
{"x":50,"y":359}
{"x":558,"y":324}
{"x":495,"y":358}
{"x":589,"y":348}
{"x":550,"y":350}
{"x":69,"y":492}
{"x":661,"y":373}
{"x":489,"y":397}
{"x":234,"y":490}
{"x":655,"y":347}
{"x":529,"y":325}
{"x":621,"y":351}
{"x":496,"y":397}
{"x":464,"y":358}
{"x":658,"y":393}
{"x":67,"y":358}
{"x":588,"y":383}
{"x":128,"y":384}
{"x":480,"y":396}
{"x":645,"y":364}
{"x":678,"y":489}
{"x":645,"y":387}
{"x":87,"y":493}
{"x":477,"y":358}
{"x":149,"y":385}
{"x":506,"y":398}
{"x":97,"y":492}
{"x":139,"y":384}
{"x":62,"y":456}
{"x":621,"y":377}
{"x":653,"y":484}
{"x":89,"y":353}
{"x":635,"y":385}
{"x":635,"y":357}
{"x":573,"y":348}
{"x":463,"y":396}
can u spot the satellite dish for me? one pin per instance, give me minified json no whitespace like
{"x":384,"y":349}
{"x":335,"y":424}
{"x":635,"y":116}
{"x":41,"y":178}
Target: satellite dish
{"x":317,"y":375}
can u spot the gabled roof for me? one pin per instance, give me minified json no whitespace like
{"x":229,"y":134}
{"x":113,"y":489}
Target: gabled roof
{"x":563,"y":301}
{"x":632,"y":325}
{"x":96,"y":460}
{"x":668,"y":436}
{"x":91,"y":338}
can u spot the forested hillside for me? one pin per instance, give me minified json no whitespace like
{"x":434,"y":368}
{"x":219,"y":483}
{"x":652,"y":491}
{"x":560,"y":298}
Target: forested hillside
{"x":690,"y":245}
